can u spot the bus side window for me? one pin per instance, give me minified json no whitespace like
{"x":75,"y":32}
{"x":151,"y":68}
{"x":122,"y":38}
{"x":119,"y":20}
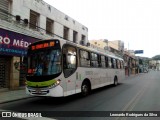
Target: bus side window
{"x":99,"y":61}
{"x":94,"y":60}
{"x":122,"y":64}
{"x":112,"y":63}
{"x":118,"y":64}
{"x":103,"y":61}
{"x":109,"y":62}
{"x":115,"y":63}
{"x":84,"y":58}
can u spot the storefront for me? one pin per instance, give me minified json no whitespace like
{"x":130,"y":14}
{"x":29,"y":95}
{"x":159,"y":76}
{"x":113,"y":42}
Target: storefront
{"x":13,"y":48}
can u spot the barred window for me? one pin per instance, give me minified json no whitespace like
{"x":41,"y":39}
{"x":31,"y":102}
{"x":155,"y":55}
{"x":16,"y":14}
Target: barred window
{"x":66,"y":33}
{"x":83,"y":37}
{"x":4,"y":9}
{"x":49,"y":26}
{"x":34,"y":20}
{"x":75,"y":36}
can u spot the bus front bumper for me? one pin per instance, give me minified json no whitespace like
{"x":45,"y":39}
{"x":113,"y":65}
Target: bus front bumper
{"x":53,"y":92}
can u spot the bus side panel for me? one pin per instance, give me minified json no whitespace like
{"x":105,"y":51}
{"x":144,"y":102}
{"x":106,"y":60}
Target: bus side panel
{"x":98,"y":77}
{"x":81,"y":75}
{"x":71,"y":84}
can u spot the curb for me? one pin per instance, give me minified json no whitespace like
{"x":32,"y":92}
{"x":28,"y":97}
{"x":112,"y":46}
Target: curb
{"x":7,"y":101}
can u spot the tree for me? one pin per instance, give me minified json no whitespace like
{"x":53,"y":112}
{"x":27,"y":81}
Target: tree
{"x":157,"y":57}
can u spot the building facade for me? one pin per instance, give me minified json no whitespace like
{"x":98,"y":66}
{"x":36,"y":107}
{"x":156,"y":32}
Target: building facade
{"x":154,"y":64}
{"x":23,"y":22}
{"x":131,"y":63}
{"x":115,"y":47}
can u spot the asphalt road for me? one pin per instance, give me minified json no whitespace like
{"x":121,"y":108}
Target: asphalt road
{"x":136,"y":93}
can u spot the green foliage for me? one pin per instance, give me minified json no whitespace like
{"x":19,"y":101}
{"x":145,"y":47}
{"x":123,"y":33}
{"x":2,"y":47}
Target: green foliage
{"x":157,"y":57}
{"x":140,"y":61}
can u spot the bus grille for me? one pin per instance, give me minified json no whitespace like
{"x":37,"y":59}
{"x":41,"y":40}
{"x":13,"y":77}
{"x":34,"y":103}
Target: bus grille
{"x":39,"y":92}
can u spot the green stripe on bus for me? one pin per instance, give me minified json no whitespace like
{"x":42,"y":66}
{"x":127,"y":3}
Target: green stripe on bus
{"x":41,"y":84}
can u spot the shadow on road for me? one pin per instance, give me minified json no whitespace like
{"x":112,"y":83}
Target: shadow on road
{"x":60,"y":103}
{"x":71,"y":98}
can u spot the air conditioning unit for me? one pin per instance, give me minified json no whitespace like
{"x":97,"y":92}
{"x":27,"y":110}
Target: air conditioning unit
{"x":26,"y":21}
{"x":88,"y":44}
{"x":18,"y":18}
{"x":82,"y":42}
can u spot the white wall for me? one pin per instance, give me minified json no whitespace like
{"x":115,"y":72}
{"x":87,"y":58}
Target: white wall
{"x":22,"y":8}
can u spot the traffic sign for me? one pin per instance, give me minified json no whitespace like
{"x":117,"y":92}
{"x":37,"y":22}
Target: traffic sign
{"x":138,"y":52}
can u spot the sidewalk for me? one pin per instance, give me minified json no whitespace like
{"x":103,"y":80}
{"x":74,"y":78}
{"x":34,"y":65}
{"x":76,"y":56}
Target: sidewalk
{"x":8,"y":95}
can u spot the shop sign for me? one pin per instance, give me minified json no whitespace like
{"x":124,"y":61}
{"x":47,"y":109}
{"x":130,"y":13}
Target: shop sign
{"x":14,"y":44}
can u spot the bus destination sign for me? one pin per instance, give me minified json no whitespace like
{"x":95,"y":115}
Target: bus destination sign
{"x":43,"y":45}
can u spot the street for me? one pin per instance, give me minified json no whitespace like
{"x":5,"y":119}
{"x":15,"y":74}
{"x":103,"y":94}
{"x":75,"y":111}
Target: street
{"x":135,"y":93}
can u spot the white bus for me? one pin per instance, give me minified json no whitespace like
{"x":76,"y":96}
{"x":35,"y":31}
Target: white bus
{"x":61,"y":68}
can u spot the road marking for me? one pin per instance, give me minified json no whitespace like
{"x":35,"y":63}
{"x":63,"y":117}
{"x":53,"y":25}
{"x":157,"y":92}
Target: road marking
{"x":25,"y":118}
{"x":132,"y":103}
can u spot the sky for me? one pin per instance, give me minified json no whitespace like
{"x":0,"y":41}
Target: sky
{"x":135,"y":22}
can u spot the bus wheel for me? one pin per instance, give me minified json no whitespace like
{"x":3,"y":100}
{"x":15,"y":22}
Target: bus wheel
{"x":85,"y":89}
{"x":115,"y":81}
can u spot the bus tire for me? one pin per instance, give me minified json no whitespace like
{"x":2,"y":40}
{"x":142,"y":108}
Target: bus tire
{"x":115,"y":81}
{"x":85,"y":88}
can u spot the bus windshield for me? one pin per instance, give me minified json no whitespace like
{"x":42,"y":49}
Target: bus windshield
{"x":44,"y":62}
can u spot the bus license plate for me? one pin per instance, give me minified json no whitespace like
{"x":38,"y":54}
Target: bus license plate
{"x":38,"y":90}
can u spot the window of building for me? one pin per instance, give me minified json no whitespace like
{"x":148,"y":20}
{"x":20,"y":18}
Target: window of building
{"x":82,"y":42}
{"x":34,"y":20}
{"x":66,"y":33}
{"x":75,"y":36}
{"x":83,"y":38}
{"x":84,"y":58}
{"x":5,"y":7}
{"x":49,"y":26}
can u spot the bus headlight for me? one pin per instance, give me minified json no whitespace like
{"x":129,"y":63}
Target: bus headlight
{"x":55,"y":84}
